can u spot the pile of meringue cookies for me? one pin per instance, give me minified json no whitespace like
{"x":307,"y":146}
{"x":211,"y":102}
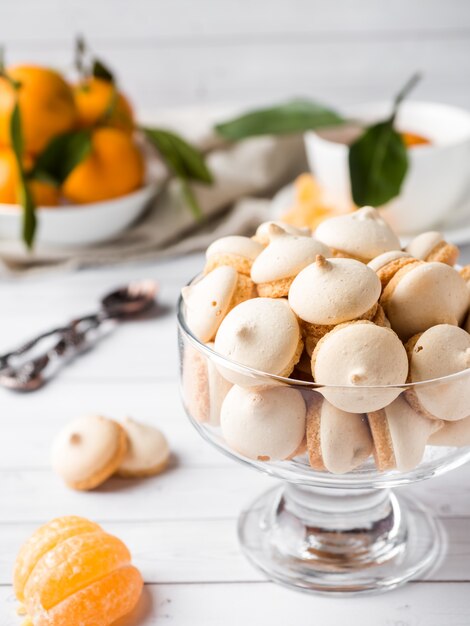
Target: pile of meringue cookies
{"x":348,"y":309}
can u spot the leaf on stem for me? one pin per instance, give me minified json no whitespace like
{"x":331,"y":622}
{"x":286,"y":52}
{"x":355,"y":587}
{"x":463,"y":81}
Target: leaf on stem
{"x":61,"y":156}
{"x":100,"y":70}
{"x":378,"y":159}
{"x":25,"y":196}
{"x":292,"y":117}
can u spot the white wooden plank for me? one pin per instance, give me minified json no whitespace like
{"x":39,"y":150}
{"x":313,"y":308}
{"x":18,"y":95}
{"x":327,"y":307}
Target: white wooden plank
{"x":197,"y":492}
{"x":173,"y":20}
{"x":188,"y":551}
{"x":35,"y":420}
{"x":432,"y":604}
{"x":339,"y":72}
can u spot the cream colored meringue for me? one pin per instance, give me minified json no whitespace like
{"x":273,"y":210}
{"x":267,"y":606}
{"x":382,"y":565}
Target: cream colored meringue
{"x":334,"y":291}
{"x":237,"y":245}
{"x":345,"y":439}
{"x":218,"y":389}
{"x":453,"y":434}
{"x":263,"y":231}
{"x":426,"y":295}
{"x":208,"y":300}
{"x":358,"y":355}
{"x":440,"y":351}
{"x":261,"y":333}
{"x":409,"y":433}
{"x":285,"y":256}
{"x":84,"y":447}
{"x":148,"y":448}
{"x":423,"y":244}
{"x":362,"y":234}
{"x":264,"y":424}
{"x":387,"y":257}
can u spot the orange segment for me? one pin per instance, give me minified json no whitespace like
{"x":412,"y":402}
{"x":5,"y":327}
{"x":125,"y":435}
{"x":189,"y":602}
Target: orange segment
{"x":71,"y":566}
{"x":45,"y":539}
{"x":99,"y":604}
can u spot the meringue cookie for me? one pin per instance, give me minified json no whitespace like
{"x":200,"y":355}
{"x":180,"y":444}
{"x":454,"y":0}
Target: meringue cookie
{"x":431,"y":246}
{"x":453,"y":434}
{"x":211,"y":298}
{"x":88,"y":451}
{"x":358,"y":354}
{"x":237,"y":251}
{"x":440,"y":351}
{"x":336,"y":441}
{"x":261,"y":333}
{"x":148,"y":452}
{"x":266,"y":424}
{"x":360,"y":235}
{"x":386,"y":265}
{"x":400,"y":435}
{"x":263,"y":235}
{"x":286,"y":255}
{"x":421,"y":295}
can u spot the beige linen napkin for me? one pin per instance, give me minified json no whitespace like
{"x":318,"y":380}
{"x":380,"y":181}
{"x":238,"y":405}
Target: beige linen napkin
{"x":246,"y":175}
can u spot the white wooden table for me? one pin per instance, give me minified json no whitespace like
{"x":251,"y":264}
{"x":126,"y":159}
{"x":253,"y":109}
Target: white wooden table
{"x":180,"y":526}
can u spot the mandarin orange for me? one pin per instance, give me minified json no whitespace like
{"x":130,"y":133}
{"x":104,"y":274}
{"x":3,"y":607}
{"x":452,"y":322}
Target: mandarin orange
{"x":114,"y":168}
{"x":94,"y":97}
{"x":46,"y":104}
{"x":43,"y":193}
{"x":71,"y":572}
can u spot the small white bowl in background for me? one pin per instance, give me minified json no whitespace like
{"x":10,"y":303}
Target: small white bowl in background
{"x":79,"y":225}
{"x":438,"y":179}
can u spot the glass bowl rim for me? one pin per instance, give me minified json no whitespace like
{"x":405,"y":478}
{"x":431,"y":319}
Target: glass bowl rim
{"x":273,"y":378}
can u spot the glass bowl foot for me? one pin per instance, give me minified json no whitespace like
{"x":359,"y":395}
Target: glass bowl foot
{"x":342,"y":542}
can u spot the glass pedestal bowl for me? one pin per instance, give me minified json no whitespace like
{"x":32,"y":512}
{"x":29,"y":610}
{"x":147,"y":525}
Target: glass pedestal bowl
{"x":322,"y":532}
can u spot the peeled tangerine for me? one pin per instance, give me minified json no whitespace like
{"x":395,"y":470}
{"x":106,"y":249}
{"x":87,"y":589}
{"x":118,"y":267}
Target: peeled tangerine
{"x":72,"y":573}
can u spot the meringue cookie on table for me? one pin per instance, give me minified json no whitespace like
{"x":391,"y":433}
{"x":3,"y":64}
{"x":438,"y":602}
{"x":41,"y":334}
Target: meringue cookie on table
{"x":148,"y":452}
{"x":361,"y":235}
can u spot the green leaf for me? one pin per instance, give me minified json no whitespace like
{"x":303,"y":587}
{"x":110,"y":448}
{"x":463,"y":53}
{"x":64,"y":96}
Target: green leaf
{"x":61,"y":156}
{"x":190,"y":199}
{"x":16,"y":134}
{"x":25,"y":196}
{"x":99,"y":70}
{"x":293,"y":117}
{"x":29,"y":214}
{"x":183,"y":160}
{"x":378,"y":162}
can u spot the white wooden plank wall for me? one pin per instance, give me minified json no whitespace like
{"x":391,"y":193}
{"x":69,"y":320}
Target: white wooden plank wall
{"x":178,"y":52}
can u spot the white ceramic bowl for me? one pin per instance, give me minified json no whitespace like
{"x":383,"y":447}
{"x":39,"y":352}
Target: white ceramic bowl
{"x":438,"y":179}
{"x":79,"y":225}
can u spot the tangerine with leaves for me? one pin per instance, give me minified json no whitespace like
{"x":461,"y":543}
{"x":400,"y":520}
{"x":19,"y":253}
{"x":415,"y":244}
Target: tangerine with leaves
{"x":44,"y":194}
{"x":98,"y":102}
{"x":46,"y":104}
{"x":72,"y":572}
{"x":114,"y":167}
